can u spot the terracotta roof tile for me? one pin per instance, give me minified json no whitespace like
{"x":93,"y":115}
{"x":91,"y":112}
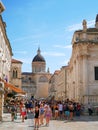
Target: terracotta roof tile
{"x":16,"y":61}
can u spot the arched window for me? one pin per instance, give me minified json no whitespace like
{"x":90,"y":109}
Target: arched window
{"x":43,"y":79}
{"x":15,"y":73}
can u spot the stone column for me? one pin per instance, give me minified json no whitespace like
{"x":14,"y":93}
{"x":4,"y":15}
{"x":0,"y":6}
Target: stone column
{"x":80,"y":77}
{"x":77,"y":82}
{"x":85,"y":78}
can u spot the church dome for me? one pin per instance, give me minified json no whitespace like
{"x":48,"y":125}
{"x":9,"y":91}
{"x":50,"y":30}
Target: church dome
{"x":38,"y":57}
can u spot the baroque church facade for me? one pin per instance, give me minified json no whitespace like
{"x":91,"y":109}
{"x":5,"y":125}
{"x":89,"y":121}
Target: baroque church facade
{"x":36,"y":83}
{"x":78,"y":81}
{"x":82,"y":72}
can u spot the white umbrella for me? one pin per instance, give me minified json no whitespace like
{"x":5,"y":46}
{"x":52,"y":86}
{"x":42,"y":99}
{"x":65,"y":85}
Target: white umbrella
{"x":20,"y":95}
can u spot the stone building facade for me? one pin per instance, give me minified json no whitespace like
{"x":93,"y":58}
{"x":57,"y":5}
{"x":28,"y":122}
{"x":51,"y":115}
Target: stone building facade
{"x":82,"y":73}
{"x":53,"y":85}
{"x":36,"y":83}
{"x":58,"y":84}
{"x":16,"y":68}
{"x":5,"y":58}
{"x":62,"y":81}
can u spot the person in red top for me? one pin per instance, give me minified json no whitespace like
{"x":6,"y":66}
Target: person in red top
{"x":23,"y":112}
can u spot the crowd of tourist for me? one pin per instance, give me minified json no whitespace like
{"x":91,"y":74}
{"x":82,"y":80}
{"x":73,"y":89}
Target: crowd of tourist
{"x":43,"y":111}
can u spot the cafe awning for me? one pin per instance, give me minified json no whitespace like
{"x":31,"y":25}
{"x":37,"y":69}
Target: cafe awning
{"x":12,"y":87}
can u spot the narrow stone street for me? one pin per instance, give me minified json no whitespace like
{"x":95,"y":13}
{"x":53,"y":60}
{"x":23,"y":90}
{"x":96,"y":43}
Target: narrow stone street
{"x":79,"y":123}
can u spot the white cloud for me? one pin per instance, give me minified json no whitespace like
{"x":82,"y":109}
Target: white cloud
{"x":61,"y":46}
{"x":91,"y":23}
{"x":22,"y":38}
{"x":68,"y":46}
{"x":25,"y":60}
{"x":79,"y":25}
{"x":64,"y":62}
{"x":74,"y":27}
{"x":28,"y":37}
{"x":53,"y":54}
{"x":20,"y":52}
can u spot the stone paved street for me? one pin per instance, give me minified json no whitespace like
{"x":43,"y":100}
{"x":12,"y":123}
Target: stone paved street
{"x":82,"y":123}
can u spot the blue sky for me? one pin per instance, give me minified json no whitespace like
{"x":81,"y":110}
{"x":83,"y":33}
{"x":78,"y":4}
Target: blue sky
{"x":49,"y":24}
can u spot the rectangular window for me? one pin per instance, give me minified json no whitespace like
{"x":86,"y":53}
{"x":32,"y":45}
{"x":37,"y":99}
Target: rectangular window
{"x":96,"y":73}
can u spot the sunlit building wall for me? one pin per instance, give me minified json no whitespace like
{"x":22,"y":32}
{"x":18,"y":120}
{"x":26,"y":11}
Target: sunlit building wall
{"x":82,"y":75}
{"x":5,"y":58}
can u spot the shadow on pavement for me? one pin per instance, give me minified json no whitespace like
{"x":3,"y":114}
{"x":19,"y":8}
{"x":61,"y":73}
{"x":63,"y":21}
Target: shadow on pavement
{"x":83,"y":119}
